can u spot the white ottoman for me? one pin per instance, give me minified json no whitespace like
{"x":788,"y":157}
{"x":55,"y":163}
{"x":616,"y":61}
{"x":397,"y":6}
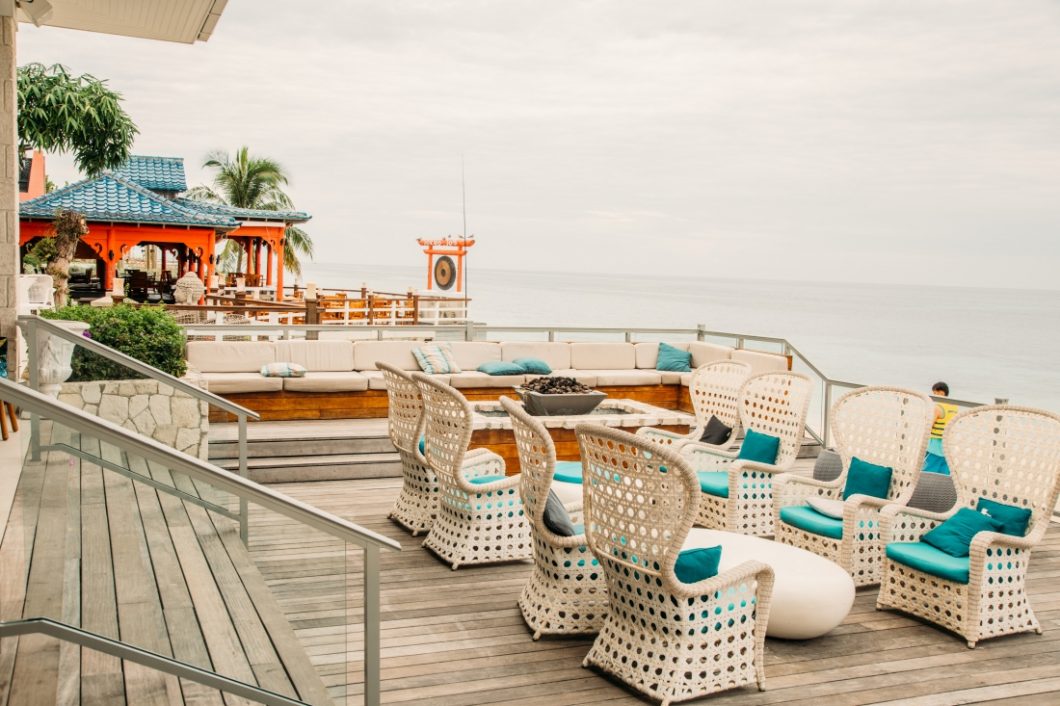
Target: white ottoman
{"x":811,"y":595}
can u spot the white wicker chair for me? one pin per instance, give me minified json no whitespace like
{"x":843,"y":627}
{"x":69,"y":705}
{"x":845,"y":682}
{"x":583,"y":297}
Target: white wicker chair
{"x":566,"y":594}
{"x":1002,"y":453}
{"x":715,"y":392}
{"x":770,"y":403}
{"x":476,"y":523}
{"x":886,"y":426}
{"x":665,"y":638}
{"x":417,"y":503}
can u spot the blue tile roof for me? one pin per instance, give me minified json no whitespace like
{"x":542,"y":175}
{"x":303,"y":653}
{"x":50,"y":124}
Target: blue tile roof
{"x":155,"y":173}
{"x":113,"y":198}
{"x":255,"y":214}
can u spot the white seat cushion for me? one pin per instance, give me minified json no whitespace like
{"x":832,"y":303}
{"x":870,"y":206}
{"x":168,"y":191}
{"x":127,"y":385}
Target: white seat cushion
{"x":686,"y":379}
{"x":473,"y":378}
{"x":703,"y":353}
{"x":648,"y":353}
{"x":626,"y":377}
{"x":231,"y":356}
{"x":585,"y":377}
{"x":672,"y":378}
{"x":761,"y":362}
{"x":375,"y":378}
{"x":557,"y":355}
{"x":317,"y":356}
{"x":227,"y":383}
{"x":603,"y":356}
{"x":397,"y":353}
{"x":327,"y":381}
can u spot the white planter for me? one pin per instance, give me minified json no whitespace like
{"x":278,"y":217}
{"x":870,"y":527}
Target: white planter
{"x":54,"y":355}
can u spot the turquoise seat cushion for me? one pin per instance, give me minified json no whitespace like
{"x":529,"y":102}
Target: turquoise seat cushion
{"x":758,"y":447}
{"x":806,"y":518}
{"x":864,"y":478}
{"x":568,"y":471}
{"x":556,"y":517}
{"x":482,"y":480}
{"x":926,"y":558}
{"x":501,"y":367}
{"x":714,"y":482}
{"x":1014,"y":520}
{"x":578,"y":529}
{"x":695,"y":565}
{"x":955,"y":535}
{"x":533,"y":366}
{"x":674,"y":360}
{"x":423,"y":445}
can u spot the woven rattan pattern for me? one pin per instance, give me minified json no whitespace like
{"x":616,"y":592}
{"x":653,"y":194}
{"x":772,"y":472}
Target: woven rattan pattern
{"x":1003,"y":453}
{"x":887,"y":426}
{"x":669,"y":640}
{"x":475,"y":523}
{"x":566,"y":593}
{"x":417,"y":503}
{"x":715,"y":392}
{"x":770,"y":403}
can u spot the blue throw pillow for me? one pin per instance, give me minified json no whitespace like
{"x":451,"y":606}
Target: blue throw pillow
{"x":501,"y":367}
{"x":673,"y":360}
{"x":762,"y":448}
{"x":866,"y":478}
{"x":533,"y":366}
{"x":695,"y":565}
{"x":955,"y":535}
{"x":1014,"y":520}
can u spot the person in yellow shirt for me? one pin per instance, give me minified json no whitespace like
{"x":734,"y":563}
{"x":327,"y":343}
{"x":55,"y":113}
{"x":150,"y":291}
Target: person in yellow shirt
{"x":935,"y":459}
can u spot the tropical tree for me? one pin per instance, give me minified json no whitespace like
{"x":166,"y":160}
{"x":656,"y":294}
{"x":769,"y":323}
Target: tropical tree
{"x":253,"y":182}
{"x":60,"y":112}
{"x":67,"y":230}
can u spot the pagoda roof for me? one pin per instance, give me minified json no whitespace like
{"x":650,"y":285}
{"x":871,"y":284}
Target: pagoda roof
{"x":155,"y":173}
{"x":113,"y":198}
{"x":245,"y":214}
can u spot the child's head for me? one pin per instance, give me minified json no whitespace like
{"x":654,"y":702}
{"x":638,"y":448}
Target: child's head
{"x":940,"y":389}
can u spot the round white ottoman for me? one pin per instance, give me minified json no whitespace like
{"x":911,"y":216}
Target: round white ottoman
{"x":811,"y":595}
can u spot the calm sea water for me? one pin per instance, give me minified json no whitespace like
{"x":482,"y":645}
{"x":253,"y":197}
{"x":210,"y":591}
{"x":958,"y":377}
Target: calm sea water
{"x":986,"y":343}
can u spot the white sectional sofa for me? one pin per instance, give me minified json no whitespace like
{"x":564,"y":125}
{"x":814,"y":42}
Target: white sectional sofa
{"x":338,"y":367}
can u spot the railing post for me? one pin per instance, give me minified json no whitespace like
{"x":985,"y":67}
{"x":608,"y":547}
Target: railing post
{"x":629,"y":337}
{"x":371,"y":626}
{"x":551,"y":336}
{"x":469,"y":330}
{"x":826,"y":432}
{"x":701,"y":332}
{"x":33,"y":366}
{"x":244,"y":519}
{"x":312,"y":317}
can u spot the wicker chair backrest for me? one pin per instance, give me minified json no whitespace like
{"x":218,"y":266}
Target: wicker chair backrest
{"x":888,"y":426}
{"x":404,"y":408}
{"x":537,"y":462}
{"x":715,"y":391}
{"x":447,"y":427}
{"x":1007,"y":454}
{"x":775,"y":404}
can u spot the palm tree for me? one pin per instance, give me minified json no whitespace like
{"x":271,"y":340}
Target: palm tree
{"x":253,"y":182}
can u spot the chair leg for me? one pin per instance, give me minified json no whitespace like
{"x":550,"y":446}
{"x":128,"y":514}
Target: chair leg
{"x":13,"y":415}
{"x":3,"y":422}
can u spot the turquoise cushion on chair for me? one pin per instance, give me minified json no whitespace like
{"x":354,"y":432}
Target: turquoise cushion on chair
{"x":806,"y":518}
{"x":955,"y":535}
{"x":714,"y":482}
{"x":673,"y":360}
{"x":864,"y":478}
{"x":482,"y":480}
{"x":761,"y":448}
{"x":501,"y":367}
{"x":423,"y":445}
{"x":695,"y":565}
{"x":1014,"y":520}
{"x":568,"y":471}
{"x":533,"y":366}
{"x":926,"y":558}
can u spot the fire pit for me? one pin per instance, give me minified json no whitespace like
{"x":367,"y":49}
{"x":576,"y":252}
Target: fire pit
{"x":555,"y":396}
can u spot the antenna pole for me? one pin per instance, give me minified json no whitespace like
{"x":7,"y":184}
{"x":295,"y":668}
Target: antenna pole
{"x":463,"y":199}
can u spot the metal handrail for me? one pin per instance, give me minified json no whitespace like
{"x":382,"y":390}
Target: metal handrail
{"x":152,"y":660}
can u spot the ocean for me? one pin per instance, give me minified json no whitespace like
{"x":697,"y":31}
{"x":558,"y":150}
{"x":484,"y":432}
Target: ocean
{"x":986,"y":343}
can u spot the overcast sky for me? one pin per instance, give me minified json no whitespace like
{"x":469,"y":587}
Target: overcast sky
{"x":908,"y":142}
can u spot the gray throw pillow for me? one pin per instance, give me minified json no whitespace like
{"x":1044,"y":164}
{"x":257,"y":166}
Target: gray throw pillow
{"x":934,"y":492}
{"x":556,"y":518}
{"x":716,"y":432}
{"x":828,"y":465}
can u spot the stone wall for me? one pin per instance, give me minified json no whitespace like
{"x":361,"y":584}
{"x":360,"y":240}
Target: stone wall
{"x":146,"y":406}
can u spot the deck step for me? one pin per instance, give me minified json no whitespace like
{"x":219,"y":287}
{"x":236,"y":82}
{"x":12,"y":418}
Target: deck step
{"x":293,"y":469}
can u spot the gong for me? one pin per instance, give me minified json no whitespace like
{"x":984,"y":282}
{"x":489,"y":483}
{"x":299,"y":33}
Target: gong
{"x":444,"y":272}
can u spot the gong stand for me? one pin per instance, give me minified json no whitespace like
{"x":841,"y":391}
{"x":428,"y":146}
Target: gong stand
{"x":442,"y":271}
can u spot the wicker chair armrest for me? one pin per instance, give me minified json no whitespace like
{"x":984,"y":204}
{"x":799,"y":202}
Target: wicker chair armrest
{"x":743,"y":465}
{"x":574,"y":506}
{"x":707,"y":457}
{"x":859,"y":501}
{"x":668,"y":438}
{"x":899,"y":523}
{"x":483,"y":463}
{"x":791,"y":489}
{"x":476,"y":488}
{"x":746,"y":571}
{"x":997,"y":540}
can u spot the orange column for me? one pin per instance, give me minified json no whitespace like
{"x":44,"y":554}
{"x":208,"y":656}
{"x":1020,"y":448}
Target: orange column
{"x":211,"y":265}
{"x":279,"y":272}
{"x":257,"y":257}
{"x":268,"y":263}
{"x":430,"y":270}
{"x":460,"y":271}
{"x":247,"y":252}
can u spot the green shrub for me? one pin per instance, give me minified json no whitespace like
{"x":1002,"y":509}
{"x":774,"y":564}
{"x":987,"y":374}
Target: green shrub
{"x":146,"y":333}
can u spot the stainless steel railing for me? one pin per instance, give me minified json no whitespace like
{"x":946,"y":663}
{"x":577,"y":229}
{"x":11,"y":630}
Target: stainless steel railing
{"x":32,"y":326}
{"x":246,"y":490}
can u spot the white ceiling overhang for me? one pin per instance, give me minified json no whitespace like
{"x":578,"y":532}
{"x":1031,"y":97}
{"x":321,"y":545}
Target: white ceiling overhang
{"x":186,"y":21}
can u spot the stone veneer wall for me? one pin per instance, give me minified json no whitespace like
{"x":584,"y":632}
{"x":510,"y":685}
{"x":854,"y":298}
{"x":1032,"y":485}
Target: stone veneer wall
{"x":149,"y":407}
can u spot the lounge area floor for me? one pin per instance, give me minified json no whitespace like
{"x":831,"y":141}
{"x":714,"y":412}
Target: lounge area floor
{"x":458,"y":638}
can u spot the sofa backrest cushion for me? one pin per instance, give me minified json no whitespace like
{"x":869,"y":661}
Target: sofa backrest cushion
{"x":603,"y":356}
{"x":317,"y":356}
{"x":556,"y":354}
{"x":398,"y":353}
{"x":703,"y":353}
{"x":471,"y":354}
{"x":761,"y":362}
{"x":230,"y":356}
{"x":648,"y":353}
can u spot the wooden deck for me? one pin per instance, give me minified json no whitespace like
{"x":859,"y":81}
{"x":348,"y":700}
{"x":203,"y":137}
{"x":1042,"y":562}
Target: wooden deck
{"x":454,"y":638}
{"x":92,"y":549}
